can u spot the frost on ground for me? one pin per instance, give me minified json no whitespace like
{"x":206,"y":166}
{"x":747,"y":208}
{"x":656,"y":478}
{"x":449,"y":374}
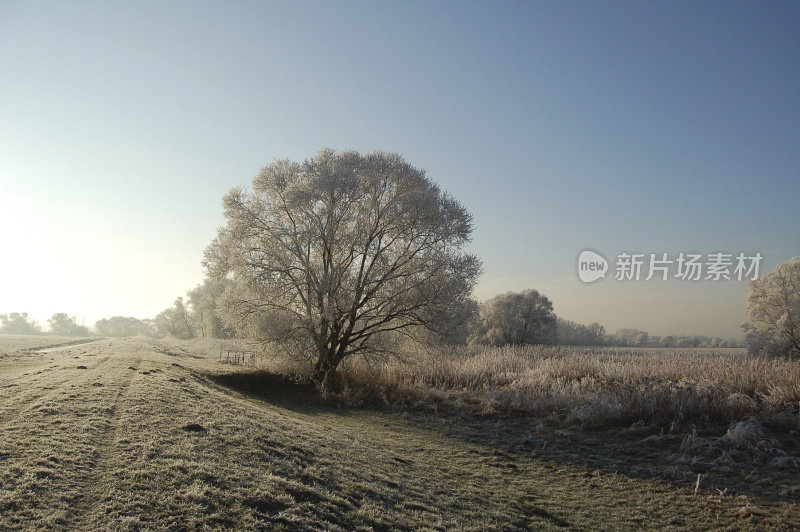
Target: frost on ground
{"x":133,"y":434}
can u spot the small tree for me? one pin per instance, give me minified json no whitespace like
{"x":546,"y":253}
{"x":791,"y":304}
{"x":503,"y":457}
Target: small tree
{"x":175,"y":321}
{"x":631,"y":337}
{"x":572,"y":333}
{"x":61,"y":323}
{"x":203,"y":302}
{"x":333,"y":256}
{"x":125,"y":326}
{"x":642,"y":339}
{"x":520,"y":318}
{"x":773,"y":312}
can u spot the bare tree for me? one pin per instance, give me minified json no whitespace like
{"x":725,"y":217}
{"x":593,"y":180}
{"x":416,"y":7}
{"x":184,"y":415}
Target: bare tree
{"x":513,"y":318}
{"x":773,"y":312}
{"x":334,"y":255}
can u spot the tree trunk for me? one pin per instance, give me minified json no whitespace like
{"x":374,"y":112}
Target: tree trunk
{"x":324,"y":375}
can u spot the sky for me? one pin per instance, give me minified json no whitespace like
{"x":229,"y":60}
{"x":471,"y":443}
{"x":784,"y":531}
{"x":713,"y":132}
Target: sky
{"x":618,"y":127}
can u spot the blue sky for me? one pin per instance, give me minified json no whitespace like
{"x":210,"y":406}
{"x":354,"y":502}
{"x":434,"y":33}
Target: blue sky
{"x":616,"y":126}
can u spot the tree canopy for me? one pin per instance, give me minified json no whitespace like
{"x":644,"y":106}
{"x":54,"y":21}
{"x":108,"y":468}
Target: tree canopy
{"x":335,"y":255}
{"x":125,"y":326}
{"x":518,"y":318}
{"x":62,"y":323}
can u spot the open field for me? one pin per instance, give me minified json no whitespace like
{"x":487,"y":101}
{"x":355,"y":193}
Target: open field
{"x":136,"y":434}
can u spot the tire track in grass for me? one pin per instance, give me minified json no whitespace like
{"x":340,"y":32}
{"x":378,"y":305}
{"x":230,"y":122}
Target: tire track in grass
{"x":28,"y":371}
{"x":32,"y":369}
{"x":27,"y":366}
{"x":94,"y":481}
{"x":34,"y":394}
{"x":46,"y":441}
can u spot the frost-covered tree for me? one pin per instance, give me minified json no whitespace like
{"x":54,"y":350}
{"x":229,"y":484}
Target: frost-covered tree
{"x":689,"y":342}
{"x":203,"y":303}
{"x":18,"y":323}
{"x":773,"y":312}
{"x":629,"y":337}
{"x":668,"y":341}
{"x":61,"y":323}
{"x":125,"y":326}
{"x":456,"y":327}
{"x":525,"y":317}
{"x":175,"y":321}
{"x":333,"y":256}
{"x":572,"y":333}
{"x":642,"y":339}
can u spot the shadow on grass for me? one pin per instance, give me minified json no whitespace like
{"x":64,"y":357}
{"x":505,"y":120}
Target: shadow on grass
{"x":274,"y":388}
{"x":505,"y":439}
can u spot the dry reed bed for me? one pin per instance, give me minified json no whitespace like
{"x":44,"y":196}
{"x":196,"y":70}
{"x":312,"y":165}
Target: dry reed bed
{"x":589,"y":387}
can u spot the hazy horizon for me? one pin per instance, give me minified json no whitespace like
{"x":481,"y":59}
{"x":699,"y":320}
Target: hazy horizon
{"x":617,"y":127}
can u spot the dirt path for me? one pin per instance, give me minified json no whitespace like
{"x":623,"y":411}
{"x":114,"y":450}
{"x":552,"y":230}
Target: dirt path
{"x":130,"y":435}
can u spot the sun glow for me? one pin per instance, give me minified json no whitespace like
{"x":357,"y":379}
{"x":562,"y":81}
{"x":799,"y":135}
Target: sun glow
{"x":76,"y":267}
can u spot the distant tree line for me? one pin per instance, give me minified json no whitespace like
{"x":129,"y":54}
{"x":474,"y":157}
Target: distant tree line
{"x":60,"y":323}
{"x":197,"y":316}
{"x":635,"y":337}
{"x":18,"y":323}
{"x":513,"y":318}
{"x":125,"y":326}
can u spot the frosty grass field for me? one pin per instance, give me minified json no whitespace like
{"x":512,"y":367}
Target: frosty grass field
{"x":140,"y":434}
